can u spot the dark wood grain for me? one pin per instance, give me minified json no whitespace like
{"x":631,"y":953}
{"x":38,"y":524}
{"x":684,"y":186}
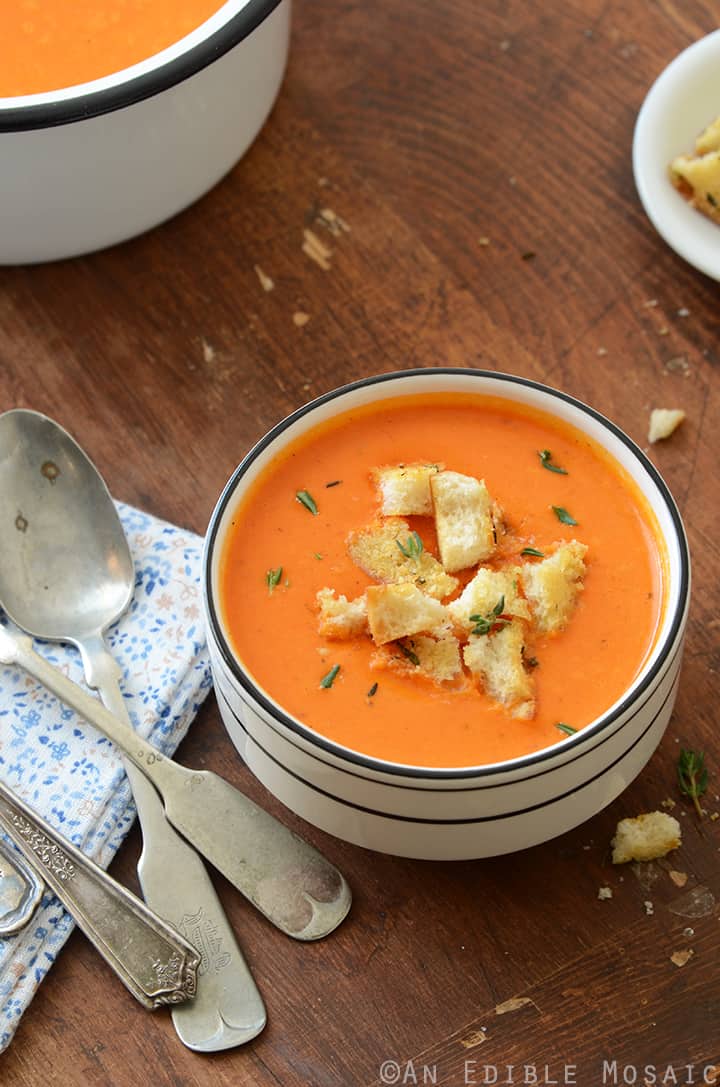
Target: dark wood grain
{"x":427,"y":127}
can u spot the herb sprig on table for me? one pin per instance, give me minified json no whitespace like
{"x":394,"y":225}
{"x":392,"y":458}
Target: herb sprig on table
{"x":692,"y":776}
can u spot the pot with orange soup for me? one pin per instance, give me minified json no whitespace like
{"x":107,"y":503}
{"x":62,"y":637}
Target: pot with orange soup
{"x":445,"y":612}
{"x":115,"y":116}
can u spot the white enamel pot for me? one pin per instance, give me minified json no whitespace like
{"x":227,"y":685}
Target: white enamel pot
{"x":95,"y":164}
{"x":468,"y":812}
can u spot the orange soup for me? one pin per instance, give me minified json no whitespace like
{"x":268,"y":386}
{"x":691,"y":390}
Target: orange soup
{"x":543,"y":475}
{"x":46,"y":45}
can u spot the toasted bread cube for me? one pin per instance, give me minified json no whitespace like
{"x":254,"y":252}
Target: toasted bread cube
{"x":375,"y":550}
{"x":341,"y":618}
{"x":699,"y":180}
{"x":663,"y":422}
{"x":405,"y":489}
{"x":553,"y":585}
{"x":438,"y":657}
{"x":496,"y":660}
{"x":645,"y":837}
{"x":463,"y":519}
{"x":709,"y":140}
{"x":395,"y":611}
{"x":484,"y":592}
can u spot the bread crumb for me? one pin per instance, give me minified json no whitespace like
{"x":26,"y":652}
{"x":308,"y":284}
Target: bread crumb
{"x":645,"y":837}
{"x":484,"y":242}
{"x":651,"y":303}
{"x":663,"y":422}
{"x":208,"y":350}
{"x":681,"y":958}
{"x":602,"y":352}
{"x":683,"y":312}
{"x":332,"y":222}
{"x":316,"y":250}
{"x":300,"y":318}
{"x":678,"y":878}
{"x":513,"y":1004}
{"x":649,"y":908}
{"x":668,"y":803}
{"x":266,"y":282}
{"x":714,"y":816}
{"x":604,"y":893}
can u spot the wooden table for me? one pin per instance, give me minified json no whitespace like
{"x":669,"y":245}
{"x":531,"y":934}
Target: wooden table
{"x":480,"y":154}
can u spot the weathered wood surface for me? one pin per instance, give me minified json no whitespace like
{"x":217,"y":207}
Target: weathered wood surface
{"x":427,"y":128}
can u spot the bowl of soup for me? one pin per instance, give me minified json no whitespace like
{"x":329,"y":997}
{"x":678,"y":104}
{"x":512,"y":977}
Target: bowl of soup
{"x":445,"y":612}
{"x":114,"y":117}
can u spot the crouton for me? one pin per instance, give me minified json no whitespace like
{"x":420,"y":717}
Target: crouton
{"x":405,"y":489}
{"x":496,"y":660}
{"x":375,"y":550}
{"x":436,"y":658}
{"x":552,"y":586}
{"x":698,"y":179}
{"x":395,"y":611}
{"x":340,"y":617}
{"x":463,"y":519}
{"x":645,"y":837}
{"x":484,"y":592}
{"x":709,"y":139}
{"x":663,"y":422}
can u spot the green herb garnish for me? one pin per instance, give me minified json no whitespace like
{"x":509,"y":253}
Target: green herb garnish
{"x":306,"y":499}
{"x":373,"y":691}
{"x":334,"y":483}
{"x":692,"y":776}
{"x":317,"y":555}
{"x":533,"y":551}
{"x":564,"y":516}
{"x":494,"y":619}
{"x":409,"y":653}
{"x":567,"y":729}
{"x":273,"y":578}
{"x":413,"y":548}
{"x":711,"y":199}
{"x":329,"y":679}
{"x":546,"y":461}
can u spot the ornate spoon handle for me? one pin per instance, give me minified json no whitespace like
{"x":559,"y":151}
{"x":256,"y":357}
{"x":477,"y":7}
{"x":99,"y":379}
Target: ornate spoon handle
{"x":155,"y":963}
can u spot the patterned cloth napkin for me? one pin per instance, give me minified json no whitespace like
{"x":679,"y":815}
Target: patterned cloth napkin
{"x":70,"y":774}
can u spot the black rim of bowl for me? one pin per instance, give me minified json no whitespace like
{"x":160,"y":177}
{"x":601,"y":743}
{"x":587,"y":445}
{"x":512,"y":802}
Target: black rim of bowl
{"x":437,"y":773}
{"x":95,"y":103}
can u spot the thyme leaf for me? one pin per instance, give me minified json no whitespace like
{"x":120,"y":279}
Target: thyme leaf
{"x":563,"y":515}
{"x":692,"y":776}
{"x":306,"y":499}
{"x":273,"y":578}
{"x":494,"y":619}
{"x":534,"y":552}
{"x":547,"y":462}
{"x":409,"y":653}
{"x":373,"y":691}
{"x":412,"y":548}
{"x":328,"y":680}
{"x":567,"y":729}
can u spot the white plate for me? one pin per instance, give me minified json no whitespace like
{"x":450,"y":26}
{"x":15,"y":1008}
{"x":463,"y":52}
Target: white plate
{"x":680,"y":104}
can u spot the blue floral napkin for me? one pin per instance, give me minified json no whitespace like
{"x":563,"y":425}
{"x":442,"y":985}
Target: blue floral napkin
{"x":70,"y":774}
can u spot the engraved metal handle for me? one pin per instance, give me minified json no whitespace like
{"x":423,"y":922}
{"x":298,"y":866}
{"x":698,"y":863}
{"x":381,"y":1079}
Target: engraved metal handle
{"x":152,"y":960}
{"x":288,"y":880}
{"x":228,"y":1009}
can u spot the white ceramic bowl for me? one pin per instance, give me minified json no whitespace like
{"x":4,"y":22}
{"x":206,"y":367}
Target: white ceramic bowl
{"x":454,"y":813}
{"x":680,"y":104}
{"x":95,"y":164}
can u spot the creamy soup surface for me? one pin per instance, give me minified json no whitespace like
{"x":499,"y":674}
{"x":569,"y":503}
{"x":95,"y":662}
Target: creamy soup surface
{"x":46,"y":45}
{"x":394,"y":712}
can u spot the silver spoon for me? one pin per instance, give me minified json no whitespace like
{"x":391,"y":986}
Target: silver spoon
{"x":66,"y":574}
{"x":152,"y":960}
{"x":20,"y":891}
{"x":286,"y":878}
